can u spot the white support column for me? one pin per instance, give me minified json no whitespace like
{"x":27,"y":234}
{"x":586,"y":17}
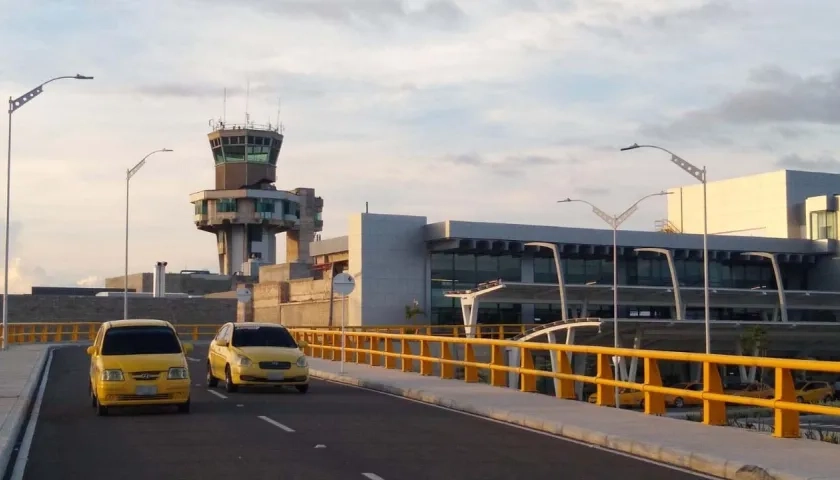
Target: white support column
{"x":742,"y":370}
{"x":513,"y":361}
{"x":469,"y":311}
{"x":579,"y":366}
{"x":634,"y":362}
{"x":675,"y":283}
{"x":753,"y":370}
{"x":777,"y":272}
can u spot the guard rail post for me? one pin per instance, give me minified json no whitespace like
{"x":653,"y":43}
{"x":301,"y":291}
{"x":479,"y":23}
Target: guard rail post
{"x":427,"y":364}
{"x":606,"y":393}
{"x":390,"y":359}
{"x":714,"y":411}
{"x":527,"y":380}
{"x":654,"y":401}
{"x":470,"y":370}
{"x":497,"y":359}
{"x":447,"y":369}
{"x":405,"y":350}
{"x":786,"y":422}
{"x":567,"y":385}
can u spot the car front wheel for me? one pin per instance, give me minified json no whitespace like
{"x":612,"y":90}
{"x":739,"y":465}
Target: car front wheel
{"x":211,"y":380}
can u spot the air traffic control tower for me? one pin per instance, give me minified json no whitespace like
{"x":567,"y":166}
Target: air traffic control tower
{"x":246,"y":210}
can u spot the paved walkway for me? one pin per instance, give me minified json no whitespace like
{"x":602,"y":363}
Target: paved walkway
{"x":719,"y":451}
{"x":20,"y":367}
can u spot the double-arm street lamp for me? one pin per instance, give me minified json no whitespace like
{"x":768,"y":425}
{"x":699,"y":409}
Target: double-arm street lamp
{"x":700,"y":175}
{"x":615,"y":221}
{"x":14,"y":105}
{"x":128,"y":174}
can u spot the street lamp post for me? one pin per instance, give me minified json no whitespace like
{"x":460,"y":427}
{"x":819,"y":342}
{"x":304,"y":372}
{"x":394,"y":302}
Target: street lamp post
{"x":128,"y":174}
{"x":615,"y":221}
{"x":14,"y":105}
{"x":700,"y":175}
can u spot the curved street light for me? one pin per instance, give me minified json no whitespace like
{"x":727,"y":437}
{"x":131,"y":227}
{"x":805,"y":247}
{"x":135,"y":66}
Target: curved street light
{"x":615,"y":221}
{"x":130,"y":172}
{"x":700,"y":175}
{"x":14,"y":105}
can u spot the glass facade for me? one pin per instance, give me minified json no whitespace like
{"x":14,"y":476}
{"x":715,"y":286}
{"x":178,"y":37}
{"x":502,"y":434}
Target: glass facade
{"x":250,"y":148}
{"x":823,"y":225}
{"x":460,"y":271}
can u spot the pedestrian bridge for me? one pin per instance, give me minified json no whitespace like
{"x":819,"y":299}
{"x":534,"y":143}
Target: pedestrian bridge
{"x":435,"y":365}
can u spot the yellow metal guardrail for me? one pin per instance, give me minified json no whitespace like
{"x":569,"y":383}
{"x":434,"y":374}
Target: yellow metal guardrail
{"x":86,"y":331}
{"x":386,"y":349}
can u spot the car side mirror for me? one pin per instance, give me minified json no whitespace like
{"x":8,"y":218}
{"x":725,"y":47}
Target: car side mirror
{"x":303,"y":344}
{"x":188,"y":347}
{"x":222,"y":343}
{"x":90,"y":350}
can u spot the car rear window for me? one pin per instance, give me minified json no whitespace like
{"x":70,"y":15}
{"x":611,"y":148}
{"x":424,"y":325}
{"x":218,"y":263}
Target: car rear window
{"x":140,"y":340}
{"x":262,"y":337}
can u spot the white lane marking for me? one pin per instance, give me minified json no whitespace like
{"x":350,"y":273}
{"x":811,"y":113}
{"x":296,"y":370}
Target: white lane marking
{"x":193,"y":359}
{"x":538,"y":432}
{"x":23,"y":453}
{"x":276,"y":424}
{"x":372,"y":476}
{"x":217,"y":394}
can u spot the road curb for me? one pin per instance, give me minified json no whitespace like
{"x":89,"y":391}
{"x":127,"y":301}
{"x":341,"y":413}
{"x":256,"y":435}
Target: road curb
{"x":16,"y":420}
{"x":709,"y":465}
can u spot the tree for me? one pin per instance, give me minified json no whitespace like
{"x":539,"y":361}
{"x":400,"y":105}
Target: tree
{"x":754,"y":343}
{"x":413,"y":310}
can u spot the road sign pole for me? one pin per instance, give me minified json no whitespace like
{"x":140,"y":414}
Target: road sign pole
{"x":343,"y":333}
{"x":343,"y":285}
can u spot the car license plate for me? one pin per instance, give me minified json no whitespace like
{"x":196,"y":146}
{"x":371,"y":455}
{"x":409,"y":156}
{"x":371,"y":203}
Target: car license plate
{"x":146,"y":390}
{"x":275,"y":376}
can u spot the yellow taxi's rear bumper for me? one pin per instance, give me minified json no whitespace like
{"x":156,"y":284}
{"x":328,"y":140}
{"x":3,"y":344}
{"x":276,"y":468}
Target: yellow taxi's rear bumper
{"x":130,"y":393}
{"x":254,"y":375}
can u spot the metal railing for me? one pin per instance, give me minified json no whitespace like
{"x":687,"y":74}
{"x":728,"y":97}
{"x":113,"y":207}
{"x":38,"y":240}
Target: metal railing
{"x":52,"y":332}
{"x":86,"y":332}
{"x":388,"y":349}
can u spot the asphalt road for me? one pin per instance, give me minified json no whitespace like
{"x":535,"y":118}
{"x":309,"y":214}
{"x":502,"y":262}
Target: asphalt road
{"x":332,"y":432}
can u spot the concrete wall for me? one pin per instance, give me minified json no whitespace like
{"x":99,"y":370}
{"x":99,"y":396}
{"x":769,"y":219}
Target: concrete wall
{"x":767,"y":205}
{"x":193,"y":284}
{"x":388,"y":258}
{"x":60,"y":308}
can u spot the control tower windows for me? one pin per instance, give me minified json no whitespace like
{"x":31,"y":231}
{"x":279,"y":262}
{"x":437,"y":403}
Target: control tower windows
{"x":318,"y":217}
{"x":226,"y":205}
{"x":201,"y":207}
{"x":264,"y":206}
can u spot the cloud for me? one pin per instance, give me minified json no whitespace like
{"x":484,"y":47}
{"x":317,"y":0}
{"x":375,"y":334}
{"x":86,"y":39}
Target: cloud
{"x":90,"y":281}
{"x":592,"y":191}
{"x":822,"y":163}
{"x":443,"y":14}
{"x":506,"y":165}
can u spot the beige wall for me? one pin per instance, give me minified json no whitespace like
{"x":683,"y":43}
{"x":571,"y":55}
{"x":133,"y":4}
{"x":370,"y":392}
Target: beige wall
{"x":756,"y":205}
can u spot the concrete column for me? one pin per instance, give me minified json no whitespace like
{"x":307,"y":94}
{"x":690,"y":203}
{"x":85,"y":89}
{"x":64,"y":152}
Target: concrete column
{"x":742,"y":370}
{"x":579,"y":366}
{"x":469,"y":311}
{"x":552,"y":339}
{"x":634,"y":362}
{"x":527,"y":272}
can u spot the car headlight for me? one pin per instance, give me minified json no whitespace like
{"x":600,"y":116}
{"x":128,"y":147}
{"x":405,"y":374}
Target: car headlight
{"x":178,"y":373}
{"x":243,"y":361}
{"x":112,"y":375}
{"x":301,"y":361}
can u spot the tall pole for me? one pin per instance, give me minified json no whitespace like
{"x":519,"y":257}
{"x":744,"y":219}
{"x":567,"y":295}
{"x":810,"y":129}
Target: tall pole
{"x":128,"y":174}
{"x":8,"y":203}
{"x":14,"y":104}
{"x":343,"y":335}
{"x":706,"y":302}
{"x":125,"y":278}
{"x":615,"y":221}
{"x":700,"y":175}
{"x":615,"y":302}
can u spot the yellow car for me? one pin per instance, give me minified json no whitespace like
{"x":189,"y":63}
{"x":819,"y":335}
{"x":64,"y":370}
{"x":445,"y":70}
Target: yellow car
{"x":813,"y":392}
{"x":138,"y":362}
{"x":256,"y":354}
{"x":626,"y":398}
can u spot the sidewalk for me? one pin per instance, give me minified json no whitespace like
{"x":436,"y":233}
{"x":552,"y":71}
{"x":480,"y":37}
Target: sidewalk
{"x":20,"y":367}
{"x":725,"y":452}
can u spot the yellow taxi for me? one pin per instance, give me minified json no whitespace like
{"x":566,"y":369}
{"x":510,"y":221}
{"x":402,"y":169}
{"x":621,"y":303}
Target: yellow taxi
{"x":626,"y":398}
{"x":256,"y":354}
{"x":751,"y":390}
{"x":138,"y":362}
{"x":680,"y":401}
{"x":813,"y":392}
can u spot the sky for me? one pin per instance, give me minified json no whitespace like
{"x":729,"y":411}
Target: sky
{"x":479,"y":110}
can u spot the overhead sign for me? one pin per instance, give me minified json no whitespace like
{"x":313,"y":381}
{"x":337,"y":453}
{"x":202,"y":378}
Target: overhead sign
{"x":344,"y":284}
{"x":243,"y":295}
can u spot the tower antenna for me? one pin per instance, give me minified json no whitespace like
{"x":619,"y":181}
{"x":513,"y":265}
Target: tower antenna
{"x":247,"y":98}
{"x":224,"y":106}
{"x":279,"y":106}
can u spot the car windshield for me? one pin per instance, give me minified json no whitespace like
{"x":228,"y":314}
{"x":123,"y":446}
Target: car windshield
{"x":140,"y":340}
{"x":262,"y":337}
{"x":800,"y":385}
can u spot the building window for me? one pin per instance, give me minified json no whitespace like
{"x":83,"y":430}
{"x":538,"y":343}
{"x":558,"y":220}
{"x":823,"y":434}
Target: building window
{"x":226,"y":205}
{"x":823,"y":225}
{"x":201,"y":207}
{"x":264,"y":206}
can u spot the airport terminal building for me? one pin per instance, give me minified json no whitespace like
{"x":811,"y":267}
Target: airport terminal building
{"x":772,"y":249}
